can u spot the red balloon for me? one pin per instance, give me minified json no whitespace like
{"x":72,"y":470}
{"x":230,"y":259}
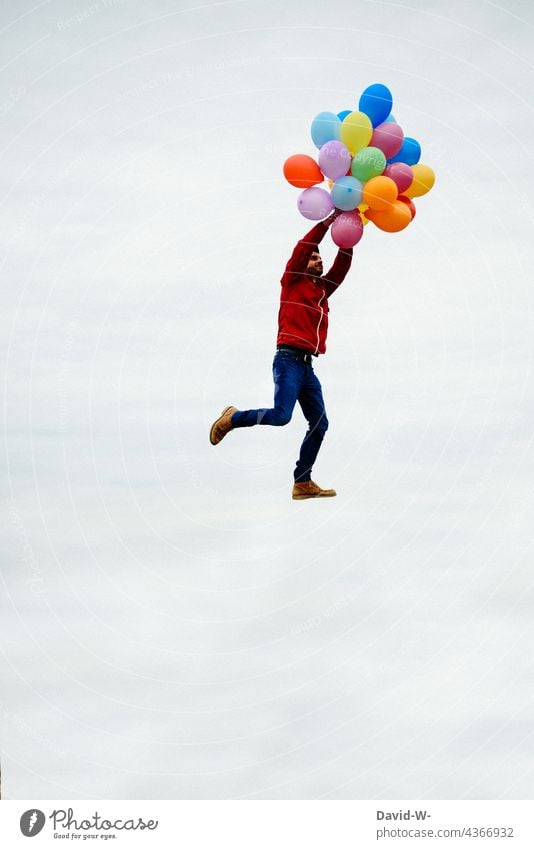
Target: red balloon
{"x":409,"y":203}
{"x":347,"y":229}
{"x":302,"y":171}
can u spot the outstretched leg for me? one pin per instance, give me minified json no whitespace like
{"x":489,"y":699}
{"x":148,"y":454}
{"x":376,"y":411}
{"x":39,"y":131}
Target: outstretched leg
{"x":288,"y":375}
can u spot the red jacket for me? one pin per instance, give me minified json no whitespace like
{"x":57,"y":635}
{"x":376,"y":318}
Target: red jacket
{"x":303,"y":315}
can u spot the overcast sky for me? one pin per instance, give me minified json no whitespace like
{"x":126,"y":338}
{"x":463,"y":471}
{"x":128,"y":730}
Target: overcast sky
{"x":173,"y":624}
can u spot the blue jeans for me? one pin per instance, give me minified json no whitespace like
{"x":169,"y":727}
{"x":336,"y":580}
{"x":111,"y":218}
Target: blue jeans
{"x":294,"y":380}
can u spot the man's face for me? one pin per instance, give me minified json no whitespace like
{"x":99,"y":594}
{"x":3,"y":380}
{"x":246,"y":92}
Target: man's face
{"x":315,"y":265}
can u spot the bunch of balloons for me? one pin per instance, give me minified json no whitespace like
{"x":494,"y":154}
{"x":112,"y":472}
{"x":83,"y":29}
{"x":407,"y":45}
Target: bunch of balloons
{"x":372,"y":168}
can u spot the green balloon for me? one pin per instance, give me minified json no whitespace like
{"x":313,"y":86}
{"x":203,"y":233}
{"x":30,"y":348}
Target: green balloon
{"x":369,"y":162}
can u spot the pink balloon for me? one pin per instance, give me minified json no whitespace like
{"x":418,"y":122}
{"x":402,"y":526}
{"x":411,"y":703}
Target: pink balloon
{"x":334,"y":159}
{"x":388,"y":137}
{"x":401,"y":174}
{"x":347,"y":229}
{"x":315,"y":203}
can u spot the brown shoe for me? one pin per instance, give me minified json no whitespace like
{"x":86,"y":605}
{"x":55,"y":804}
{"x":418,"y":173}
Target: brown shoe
{"x":309,"y":489}
{"x":222,"y":425}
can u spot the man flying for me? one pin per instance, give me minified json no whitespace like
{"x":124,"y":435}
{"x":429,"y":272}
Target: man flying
{"x":302,"y":329}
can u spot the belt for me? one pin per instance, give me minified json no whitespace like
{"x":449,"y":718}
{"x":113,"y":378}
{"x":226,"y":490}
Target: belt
{"x":306,"y":356}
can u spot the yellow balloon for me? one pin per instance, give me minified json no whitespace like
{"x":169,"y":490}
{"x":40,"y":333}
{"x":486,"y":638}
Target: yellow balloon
{"x":423,"y":180}
{"x":356,"y":131}
{"x":362,"y":207}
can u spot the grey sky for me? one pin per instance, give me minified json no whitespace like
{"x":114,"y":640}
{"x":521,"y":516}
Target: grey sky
{"x":173,"y":625}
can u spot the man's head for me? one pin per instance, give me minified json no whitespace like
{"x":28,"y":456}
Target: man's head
{"x":315,"y":264}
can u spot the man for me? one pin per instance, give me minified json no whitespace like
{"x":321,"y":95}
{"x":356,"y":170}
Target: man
{"x":302,"y":329}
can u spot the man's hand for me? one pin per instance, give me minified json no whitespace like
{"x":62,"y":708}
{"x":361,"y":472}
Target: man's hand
{"x":332,"y":217}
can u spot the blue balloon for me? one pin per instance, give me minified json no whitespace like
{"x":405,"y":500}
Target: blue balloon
{"x":342,"y":115}
{"x":346,"y":193}
{"x":325,"y":127}
{"x":376,"y":101}
{"x":410,"y":152}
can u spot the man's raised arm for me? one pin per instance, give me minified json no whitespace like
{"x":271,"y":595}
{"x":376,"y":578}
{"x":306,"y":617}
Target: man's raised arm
{"x":299,"y":259}
{"x":336,"y":275}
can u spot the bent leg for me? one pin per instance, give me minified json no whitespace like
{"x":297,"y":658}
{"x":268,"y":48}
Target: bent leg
{"x":312,"y":403}
{"x":288,"y":375}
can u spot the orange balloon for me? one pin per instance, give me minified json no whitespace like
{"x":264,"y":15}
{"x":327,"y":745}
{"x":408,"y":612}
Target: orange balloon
{"x":423,"y":180}
{"x":409,"y":203}
{"x":379,"y":193}
{"x":396,"y":218}
{"x":302,"y":171}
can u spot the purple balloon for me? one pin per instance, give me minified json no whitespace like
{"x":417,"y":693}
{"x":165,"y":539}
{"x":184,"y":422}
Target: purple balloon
{"x":334,"y":159}
{"x":347,"y":229}
{"x":401,"y":174}
{"x":388,"y":137}
{"x":315,"y":203}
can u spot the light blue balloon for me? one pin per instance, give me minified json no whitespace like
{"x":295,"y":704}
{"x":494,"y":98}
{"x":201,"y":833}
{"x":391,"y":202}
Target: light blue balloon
{"x":391,"y":119}
{"x":376,"y":101}
{"x":346,"y":193}
{"x":325,"y":127}
{"x":410,"y":152}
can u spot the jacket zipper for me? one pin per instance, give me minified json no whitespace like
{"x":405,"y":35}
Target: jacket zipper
{"x":320,"y":319}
